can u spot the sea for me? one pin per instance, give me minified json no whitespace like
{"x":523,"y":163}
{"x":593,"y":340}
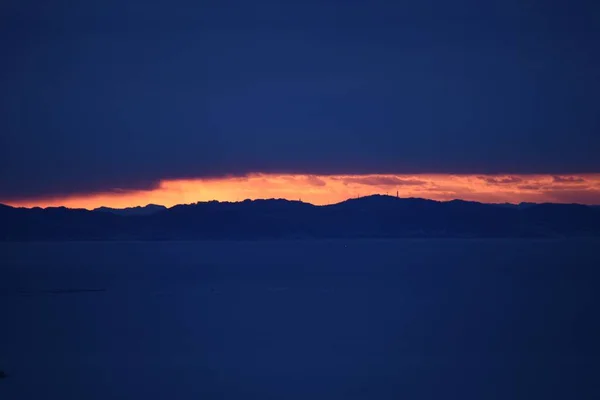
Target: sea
{"x":306,"y":319}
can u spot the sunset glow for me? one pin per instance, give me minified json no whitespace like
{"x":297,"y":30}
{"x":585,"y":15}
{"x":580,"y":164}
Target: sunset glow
{"x":320,"y":190}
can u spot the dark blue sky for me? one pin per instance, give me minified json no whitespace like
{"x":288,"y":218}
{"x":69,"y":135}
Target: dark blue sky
{"x":119,"y":94}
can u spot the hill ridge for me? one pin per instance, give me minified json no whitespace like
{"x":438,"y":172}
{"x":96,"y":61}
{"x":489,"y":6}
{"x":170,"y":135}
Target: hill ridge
{"x":376,"y":216}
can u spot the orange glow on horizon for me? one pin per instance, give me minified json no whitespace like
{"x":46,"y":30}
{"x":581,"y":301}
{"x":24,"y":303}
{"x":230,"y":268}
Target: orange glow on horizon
{"x":328,"y":189}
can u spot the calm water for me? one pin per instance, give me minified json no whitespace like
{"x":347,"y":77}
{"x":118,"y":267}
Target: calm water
{"x":362,"y":319}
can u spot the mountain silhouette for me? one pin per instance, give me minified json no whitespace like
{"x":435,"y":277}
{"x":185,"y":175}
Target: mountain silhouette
{"x":374,"y":216}
{"x":146,"y":210}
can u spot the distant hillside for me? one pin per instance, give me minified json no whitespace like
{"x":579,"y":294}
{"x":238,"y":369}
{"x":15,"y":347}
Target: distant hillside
{"x":147,"y":210}
{"x":373,"y":217}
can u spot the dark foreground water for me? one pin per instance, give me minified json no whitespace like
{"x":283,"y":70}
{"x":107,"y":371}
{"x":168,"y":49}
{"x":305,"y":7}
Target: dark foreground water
{"x":403,"y":319}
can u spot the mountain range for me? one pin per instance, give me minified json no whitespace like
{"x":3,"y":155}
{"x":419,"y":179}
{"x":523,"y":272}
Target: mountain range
{"x":146,"y":210}
{"x":374,"y":216}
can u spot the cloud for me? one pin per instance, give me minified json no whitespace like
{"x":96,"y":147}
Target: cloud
{"x":315,"y":181}
{"x":562,"y":186}
{"x":501,"y":181}
{"x":530,"y":187}
{"x":591,"y":196}
{"x":383,"y":181}
{"x":567,"y":179}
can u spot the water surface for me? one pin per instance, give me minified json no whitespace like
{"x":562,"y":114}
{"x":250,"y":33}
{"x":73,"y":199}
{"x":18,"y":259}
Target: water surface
{"x":358,"y":319}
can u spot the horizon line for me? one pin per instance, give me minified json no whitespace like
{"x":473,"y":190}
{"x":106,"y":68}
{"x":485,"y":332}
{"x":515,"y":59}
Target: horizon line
{"x":296,"y":201}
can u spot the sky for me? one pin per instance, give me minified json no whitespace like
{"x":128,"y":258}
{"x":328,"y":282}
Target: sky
{"x":330,"y":189}
{"x":131,"y":102}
